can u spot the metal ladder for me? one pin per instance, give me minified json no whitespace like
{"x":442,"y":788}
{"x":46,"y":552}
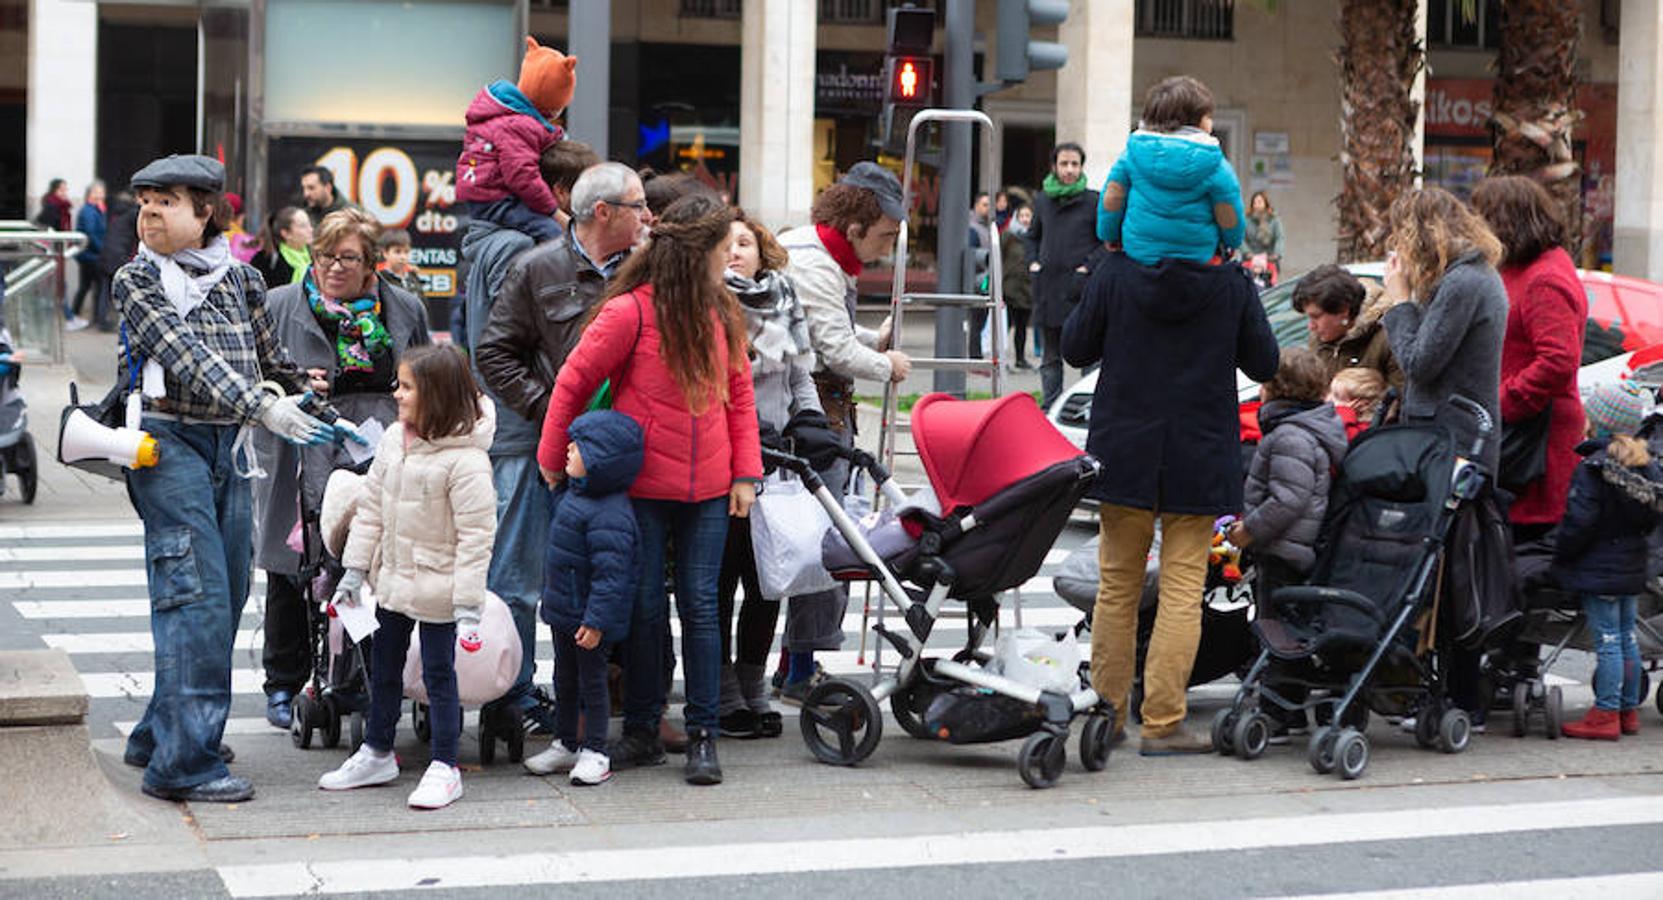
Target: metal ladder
{"x":891,"y":427}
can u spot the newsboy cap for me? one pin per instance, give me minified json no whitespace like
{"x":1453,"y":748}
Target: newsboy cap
{"x":882,"y":183}
{"x":193,"y":170}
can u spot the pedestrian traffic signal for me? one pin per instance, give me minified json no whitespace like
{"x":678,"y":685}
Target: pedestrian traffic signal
{"x":911,"y":80}
{"x":1018,"y":53}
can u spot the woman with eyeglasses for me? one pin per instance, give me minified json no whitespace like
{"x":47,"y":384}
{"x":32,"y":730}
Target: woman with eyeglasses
{"x":348,"y":329}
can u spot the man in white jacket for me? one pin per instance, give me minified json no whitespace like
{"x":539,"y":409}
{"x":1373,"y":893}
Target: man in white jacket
{"x":854,"y":222}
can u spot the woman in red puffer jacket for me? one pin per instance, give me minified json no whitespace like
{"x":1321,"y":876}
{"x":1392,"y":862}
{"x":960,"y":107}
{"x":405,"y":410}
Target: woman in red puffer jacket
{"x":672,"y":341}
{"x":1547,"y":313}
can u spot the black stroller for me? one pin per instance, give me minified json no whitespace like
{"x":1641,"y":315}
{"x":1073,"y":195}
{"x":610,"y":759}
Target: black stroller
{"x":1353,"y":636}
{"x":17,"y":445}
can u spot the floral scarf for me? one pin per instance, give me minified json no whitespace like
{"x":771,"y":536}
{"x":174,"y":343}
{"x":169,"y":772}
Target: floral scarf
{"x":359,"y":334}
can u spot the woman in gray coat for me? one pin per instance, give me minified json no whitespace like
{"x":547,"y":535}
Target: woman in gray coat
{"x":348,"y":328}
{"x":782,"y":366}
{"x":1449,"y":313}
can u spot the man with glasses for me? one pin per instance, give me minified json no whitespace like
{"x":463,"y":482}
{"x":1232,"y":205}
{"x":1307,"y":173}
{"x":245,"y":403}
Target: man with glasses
{"x":535,"y":317}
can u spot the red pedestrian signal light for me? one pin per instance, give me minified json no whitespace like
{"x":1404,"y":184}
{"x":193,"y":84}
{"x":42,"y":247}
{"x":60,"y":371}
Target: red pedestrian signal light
{"x":911,"y":80}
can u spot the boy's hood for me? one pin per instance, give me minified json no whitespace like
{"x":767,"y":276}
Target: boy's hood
{"x":1320,"y":421}
{"x":1176,"y":161}
{"x":611,"y":445}
{"x":503,"y":98}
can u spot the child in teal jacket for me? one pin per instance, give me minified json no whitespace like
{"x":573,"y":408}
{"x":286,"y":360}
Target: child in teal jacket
{"x":1173,"y":194}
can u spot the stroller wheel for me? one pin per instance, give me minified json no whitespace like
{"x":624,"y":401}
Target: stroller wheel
{"x":508,"y":726}
{"x":1252,"y":735}
{"x":1521,"y":709}
{"x":27,"y":468}
{"x":1555,"y":709}
{"x":300,"y":721}
{"x":356,"y":729}
{"x":1320,"y":751}
{"x":1426,"y":726}
{"x":419,"y":720}
{"x":1096,"y":740}
{"x":1454,"y":731}
{"x":487,"y":738}
{"x":1645,"y":684}
{"x":909,"y":706}
{"x":1660,"y":699}
{"x":841,"y":722}
{"x":1224,"y":731}
{"x":331,"y":724}
{"x":1042,"y":758}
{"x":1351,"y":754}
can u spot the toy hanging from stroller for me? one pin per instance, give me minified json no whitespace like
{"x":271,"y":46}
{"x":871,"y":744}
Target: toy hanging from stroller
{"x":1005,"y":481}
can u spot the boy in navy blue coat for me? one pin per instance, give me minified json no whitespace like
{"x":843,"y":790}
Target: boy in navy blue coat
{"x":589,"y":586}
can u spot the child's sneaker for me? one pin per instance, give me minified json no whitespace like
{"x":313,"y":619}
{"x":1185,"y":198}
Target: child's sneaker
{"x":362,"y":769}
{"x":441,"y":785}
{"x":555,"y":759}
{"x":593,"y":767}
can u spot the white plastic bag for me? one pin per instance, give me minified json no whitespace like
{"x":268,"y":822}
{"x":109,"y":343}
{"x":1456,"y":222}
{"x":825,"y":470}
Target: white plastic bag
{"x":787,"y":524}
{"x":1037,"y":659}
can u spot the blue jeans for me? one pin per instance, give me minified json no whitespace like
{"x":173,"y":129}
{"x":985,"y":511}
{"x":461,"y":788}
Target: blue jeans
{"x":1617,"y":672}
{"x":700,"y":533}
{"x":580,"y":686}
{"x":198,"y":540}
{"x":444,"y":709}
{"x":516,"y":573}
{"x":511,"y":212}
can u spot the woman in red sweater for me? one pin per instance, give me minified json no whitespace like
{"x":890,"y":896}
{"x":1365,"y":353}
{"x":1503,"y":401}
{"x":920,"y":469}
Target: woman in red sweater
{"x":672,"y":341}
{"x":1547,"y":312}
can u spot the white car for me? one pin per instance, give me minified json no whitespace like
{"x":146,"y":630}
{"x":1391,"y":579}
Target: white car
{"x":1640,"y":305}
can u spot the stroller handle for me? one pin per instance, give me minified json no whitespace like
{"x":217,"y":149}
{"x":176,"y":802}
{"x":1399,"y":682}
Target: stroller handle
{"x":801,"y":467}
{"x":1481,"y":417}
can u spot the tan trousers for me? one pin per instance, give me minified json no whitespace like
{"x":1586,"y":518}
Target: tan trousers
{"x":1123,"y":549}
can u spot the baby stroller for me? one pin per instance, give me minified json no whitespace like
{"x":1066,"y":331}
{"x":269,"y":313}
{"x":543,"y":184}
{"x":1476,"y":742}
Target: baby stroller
{"x":1005,"y":482}
{"x":17,"y":445}
{"x":1351,"y":636}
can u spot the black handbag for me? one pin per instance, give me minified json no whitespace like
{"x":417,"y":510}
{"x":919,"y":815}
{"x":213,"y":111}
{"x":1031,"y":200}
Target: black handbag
{"x":1524,"y":450}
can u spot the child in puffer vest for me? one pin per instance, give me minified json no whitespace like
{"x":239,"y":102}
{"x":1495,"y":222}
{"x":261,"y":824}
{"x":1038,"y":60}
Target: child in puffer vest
{"x":509,"y":127}
{"x":589,"y":587}
{"x":1173,"y":194}
{"x":1600,"y":550}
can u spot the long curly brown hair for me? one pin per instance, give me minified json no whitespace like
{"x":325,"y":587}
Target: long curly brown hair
{"x":1431,"y":229}
{"x":689,"y":302}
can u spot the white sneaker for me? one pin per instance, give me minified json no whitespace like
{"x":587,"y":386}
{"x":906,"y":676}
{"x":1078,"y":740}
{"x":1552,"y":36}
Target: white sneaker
{"x":441,"y":785}
{"x":555,"y":759}
{"x":76,"y":323}
{"x":361,"y":769}
{"x":592,"y":768}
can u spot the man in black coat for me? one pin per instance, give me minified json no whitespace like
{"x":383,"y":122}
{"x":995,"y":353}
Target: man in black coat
{"x":1064,"y":232}
{"x":1164,"y":424}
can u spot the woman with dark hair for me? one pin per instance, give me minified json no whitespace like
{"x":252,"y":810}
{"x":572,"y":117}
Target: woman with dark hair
{"x":1264,"y":230}
{"x":1343,"y":316}
{"x":285,"y":242}
{"x":671,"y":339}
{"x":1547,"y":312}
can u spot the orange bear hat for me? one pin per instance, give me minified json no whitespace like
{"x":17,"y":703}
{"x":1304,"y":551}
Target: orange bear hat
{"x":547,"y":77}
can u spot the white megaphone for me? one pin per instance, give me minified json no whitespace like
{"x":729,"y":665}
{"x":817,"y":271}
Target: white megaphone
{"x":83,"y":438}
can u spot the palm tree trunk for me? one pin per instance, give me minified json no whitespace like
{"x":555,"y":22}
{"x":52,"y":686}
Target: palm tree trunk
{"x":1379,"y":56}
{"x":1535,"y":101}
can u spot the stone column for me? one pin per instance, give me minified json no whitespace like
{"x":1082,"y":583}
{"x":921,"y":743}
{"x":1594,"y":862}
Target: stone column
{"x":63,"y":97}
{"x":1094,"y":90}
{"x":1638,"y":245}
{"x":776,"y":111}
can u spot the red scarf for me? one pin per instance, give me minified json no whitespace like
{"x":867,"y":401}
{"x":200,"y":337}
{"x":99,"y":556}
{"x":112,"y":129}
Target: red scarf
{"x":840,"y":249}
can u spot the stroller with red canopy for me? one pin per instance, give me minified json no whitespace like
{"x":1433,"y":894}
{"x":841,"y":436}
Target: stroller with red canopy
{"x":1004,"y":482}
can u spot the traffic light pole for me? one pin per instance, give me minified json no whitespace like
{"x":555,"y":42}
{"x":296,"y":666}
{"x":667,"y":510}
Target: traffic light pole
{"x":953,"y":205}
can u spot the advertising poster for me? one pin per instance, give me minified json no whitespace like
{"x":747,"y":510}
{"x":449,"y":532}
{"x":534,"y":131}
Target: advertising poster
{"x":403,"y":183}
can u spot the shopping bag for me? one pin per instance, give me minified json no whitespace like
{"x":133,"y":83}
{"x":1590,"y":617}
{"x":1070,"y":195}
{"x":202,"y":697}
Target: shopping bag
{"x":787,"y":524}
{"x":486,"y":673}
{"x":1036,"y":659}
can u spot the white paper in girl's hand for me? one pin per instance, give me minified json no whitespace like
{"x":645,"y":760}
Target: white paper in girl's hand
{"x":371,"y":430}
{"x":359,"y":621}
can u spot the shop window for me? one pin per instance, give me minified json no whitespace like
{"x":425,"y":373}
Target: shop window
{"x":1208,"y":20}
{"x":1449,"y":26}
{"x":711,"y":9}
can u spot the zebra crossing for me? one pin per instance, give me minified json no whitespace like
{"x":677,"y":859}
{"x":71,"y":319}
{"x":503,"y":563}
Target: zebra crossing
{"x":81,"y":588}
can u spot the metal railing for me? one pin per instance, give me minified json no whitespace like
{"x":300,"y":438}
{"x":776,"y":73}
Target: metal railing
{"x":1195,"y":19}
{"x":37,"y":284}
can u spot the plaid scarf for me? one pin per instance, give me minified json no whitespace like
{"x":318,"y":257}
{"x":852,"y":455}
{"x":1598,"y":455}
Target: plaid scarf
{"x":359,"y":334}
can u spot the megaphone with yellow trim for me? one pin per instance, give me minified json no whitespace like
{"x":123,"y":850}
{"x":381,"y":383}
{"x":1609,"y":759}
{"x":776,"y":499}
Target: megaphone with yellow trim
{"x":87,"y":444}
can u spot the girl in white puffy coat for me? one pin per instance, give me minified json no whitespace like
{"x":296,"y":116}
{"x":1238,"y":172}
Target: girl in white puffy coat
{"x":425,"y":530}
